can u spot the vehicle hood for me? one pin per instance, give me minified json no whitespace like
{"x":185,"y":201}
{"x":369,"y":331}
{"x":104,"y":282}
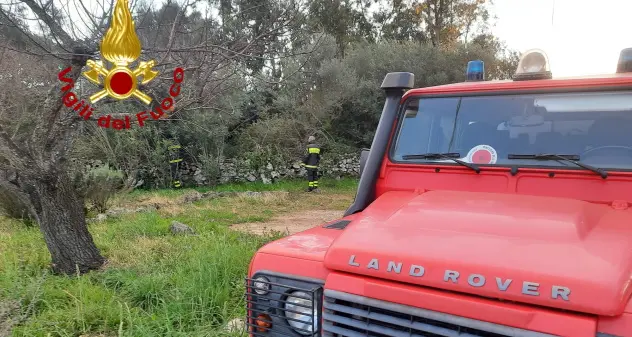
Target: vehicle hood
{"x":529,"y":249}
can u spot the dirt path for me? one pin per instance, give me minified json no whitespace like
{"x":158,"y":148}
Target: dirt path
{"x":290,"y":223}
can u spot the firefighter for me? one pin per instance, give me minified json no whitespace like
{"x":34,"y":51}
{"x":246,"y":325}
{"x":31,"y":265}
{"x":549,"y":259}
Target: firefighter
{"x":310,"y":161}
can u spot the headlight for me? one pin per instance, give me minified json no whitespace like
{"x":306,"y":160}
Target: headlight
{"x":261,"y":285}
{"x":301,"y":313}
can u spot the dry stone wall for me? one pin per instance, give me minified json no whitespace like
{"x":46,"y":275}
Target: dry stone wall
{"x":334,"y":166}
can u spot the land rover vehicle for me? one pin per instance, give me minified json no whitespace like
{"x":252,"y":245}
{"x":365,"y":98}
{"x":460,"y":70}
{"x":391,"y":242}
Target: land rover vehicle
{"x":484,"y":208}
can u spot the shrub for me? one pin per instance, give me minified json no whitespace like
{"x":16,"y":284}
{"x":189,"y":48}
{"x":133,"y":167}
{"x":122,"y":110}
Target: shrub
{"x":100,"y":185}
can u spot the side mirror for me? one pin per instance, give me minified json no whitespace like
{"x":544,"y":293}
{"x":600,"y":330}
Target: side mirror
{"x":364,"y":155}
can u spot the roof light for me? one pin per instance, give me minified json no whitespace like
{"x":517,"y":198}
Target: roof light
{"x":533,"y":65}
{"x":475,"y":71}
{"x":625,"y":61}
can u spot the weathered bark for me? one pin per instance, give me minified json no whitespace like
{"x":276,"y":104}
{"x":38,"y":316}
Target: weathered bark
{"x":38,"y":176}
{"x":62,"y":222}
{"x":54,"y":203}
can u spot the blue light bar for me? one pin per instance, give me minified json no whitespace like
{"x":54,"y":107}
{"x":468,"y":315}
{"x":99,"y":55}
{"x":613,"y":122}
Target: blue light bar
{"x":625,"y":61}
{"x":475,"y":71}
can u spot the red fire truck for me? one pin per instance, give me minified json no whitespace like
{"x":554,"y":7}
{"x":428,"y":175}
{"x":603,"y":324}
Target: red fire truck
{"x":484,"y":209}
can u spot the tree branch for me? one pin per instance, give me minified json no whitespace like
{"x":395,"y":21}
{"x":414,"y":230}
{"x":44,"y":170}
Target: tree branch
{"x":54,"y":27}
{"x":12,"y":152}
{"x":10,"y":184}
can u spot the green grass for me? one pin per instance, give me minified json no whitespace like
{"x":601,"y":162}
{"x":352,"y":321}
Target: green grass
{"x":344,"y":185}
{"x":155,"y":284}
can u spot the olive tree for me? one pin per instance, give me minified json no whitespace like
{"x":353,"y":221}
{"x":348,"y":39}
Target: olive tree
{"x":39,"y":38}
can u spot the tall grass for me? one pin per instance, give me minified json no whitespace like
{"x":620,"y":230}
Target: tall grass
{"x":155,"y":284}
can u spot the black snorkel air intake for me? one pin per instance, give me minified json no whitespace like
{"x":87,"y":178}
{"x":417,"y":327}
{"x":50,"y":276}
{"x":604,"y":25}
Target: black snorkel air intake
{"x":395,"y":85}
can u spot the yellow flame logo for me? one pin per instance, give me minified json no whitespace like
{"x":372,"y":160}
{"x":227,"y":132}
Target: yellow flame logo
{"x":120,"y":46}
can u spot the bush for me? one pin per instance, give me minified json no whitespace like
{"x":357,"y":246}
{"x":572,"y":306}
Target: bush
{"x":267,"y":118}
{"x":100,"y":185}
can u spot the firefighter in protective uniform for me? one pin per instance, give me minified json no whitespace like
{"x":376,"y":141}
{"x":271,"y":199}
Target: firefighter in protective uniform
{"x":310,"y":161}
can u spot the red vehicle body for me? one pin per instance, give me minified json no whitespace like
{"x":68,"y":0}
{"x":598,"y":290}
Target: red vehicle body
{"x":434,"y":248}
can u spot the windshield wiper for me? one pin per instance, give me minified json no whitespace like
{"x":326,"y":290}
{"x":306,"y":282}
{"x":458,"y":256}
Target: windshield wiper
{"x":454,"y":156}
{"x":562,"y":157}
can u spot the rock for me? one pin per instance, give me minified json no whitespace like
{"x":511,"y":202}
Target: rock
{"x":225,"y":194}
{"x":236,"y":325}
{"x":148,"y":208}
{"x":117,"y":211}
{"x":139,"y":183}
{"x":180,"y":228}
{"x":192,"y":197}
{"x":101,"y":217}
{"x":198,"y":177}
{"x":265,"y":179}
{"x":209,"y":195}
{"x":251,"y":178}
{"x":269,"y":167}
{"x":253,"y":194}
{"x":274,"y":174}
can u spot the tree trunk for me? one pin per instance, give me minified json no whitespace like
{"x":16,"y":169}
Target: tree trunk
{"x":63,"y":223}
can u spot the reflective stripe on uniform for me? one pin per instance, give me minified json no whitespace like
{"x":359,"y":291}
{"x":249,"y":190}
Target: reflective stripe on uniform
{"x":311,"y":166}
{"x":315,"y":183}
{"x":175,"y":161}
{"x":313,"y":150}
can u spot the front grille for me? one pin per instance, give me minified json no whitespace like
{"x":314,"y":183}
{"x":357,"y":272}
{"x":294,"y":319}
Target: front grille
{"x":273,"y":303}
{"x":347,"y":315}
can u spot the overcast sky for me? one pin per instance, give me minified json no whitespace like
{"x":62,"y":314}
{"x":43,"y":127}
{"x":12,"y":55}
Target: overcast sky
{"x":583,"y":37}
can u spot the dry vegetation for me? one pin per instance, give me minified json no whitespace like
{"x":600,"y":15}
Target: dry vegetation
{"x":290,"y":223}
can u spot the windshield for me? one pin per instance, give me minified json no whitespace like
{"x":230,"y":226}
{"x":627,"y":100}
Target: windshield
{"x":485,"y":130}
